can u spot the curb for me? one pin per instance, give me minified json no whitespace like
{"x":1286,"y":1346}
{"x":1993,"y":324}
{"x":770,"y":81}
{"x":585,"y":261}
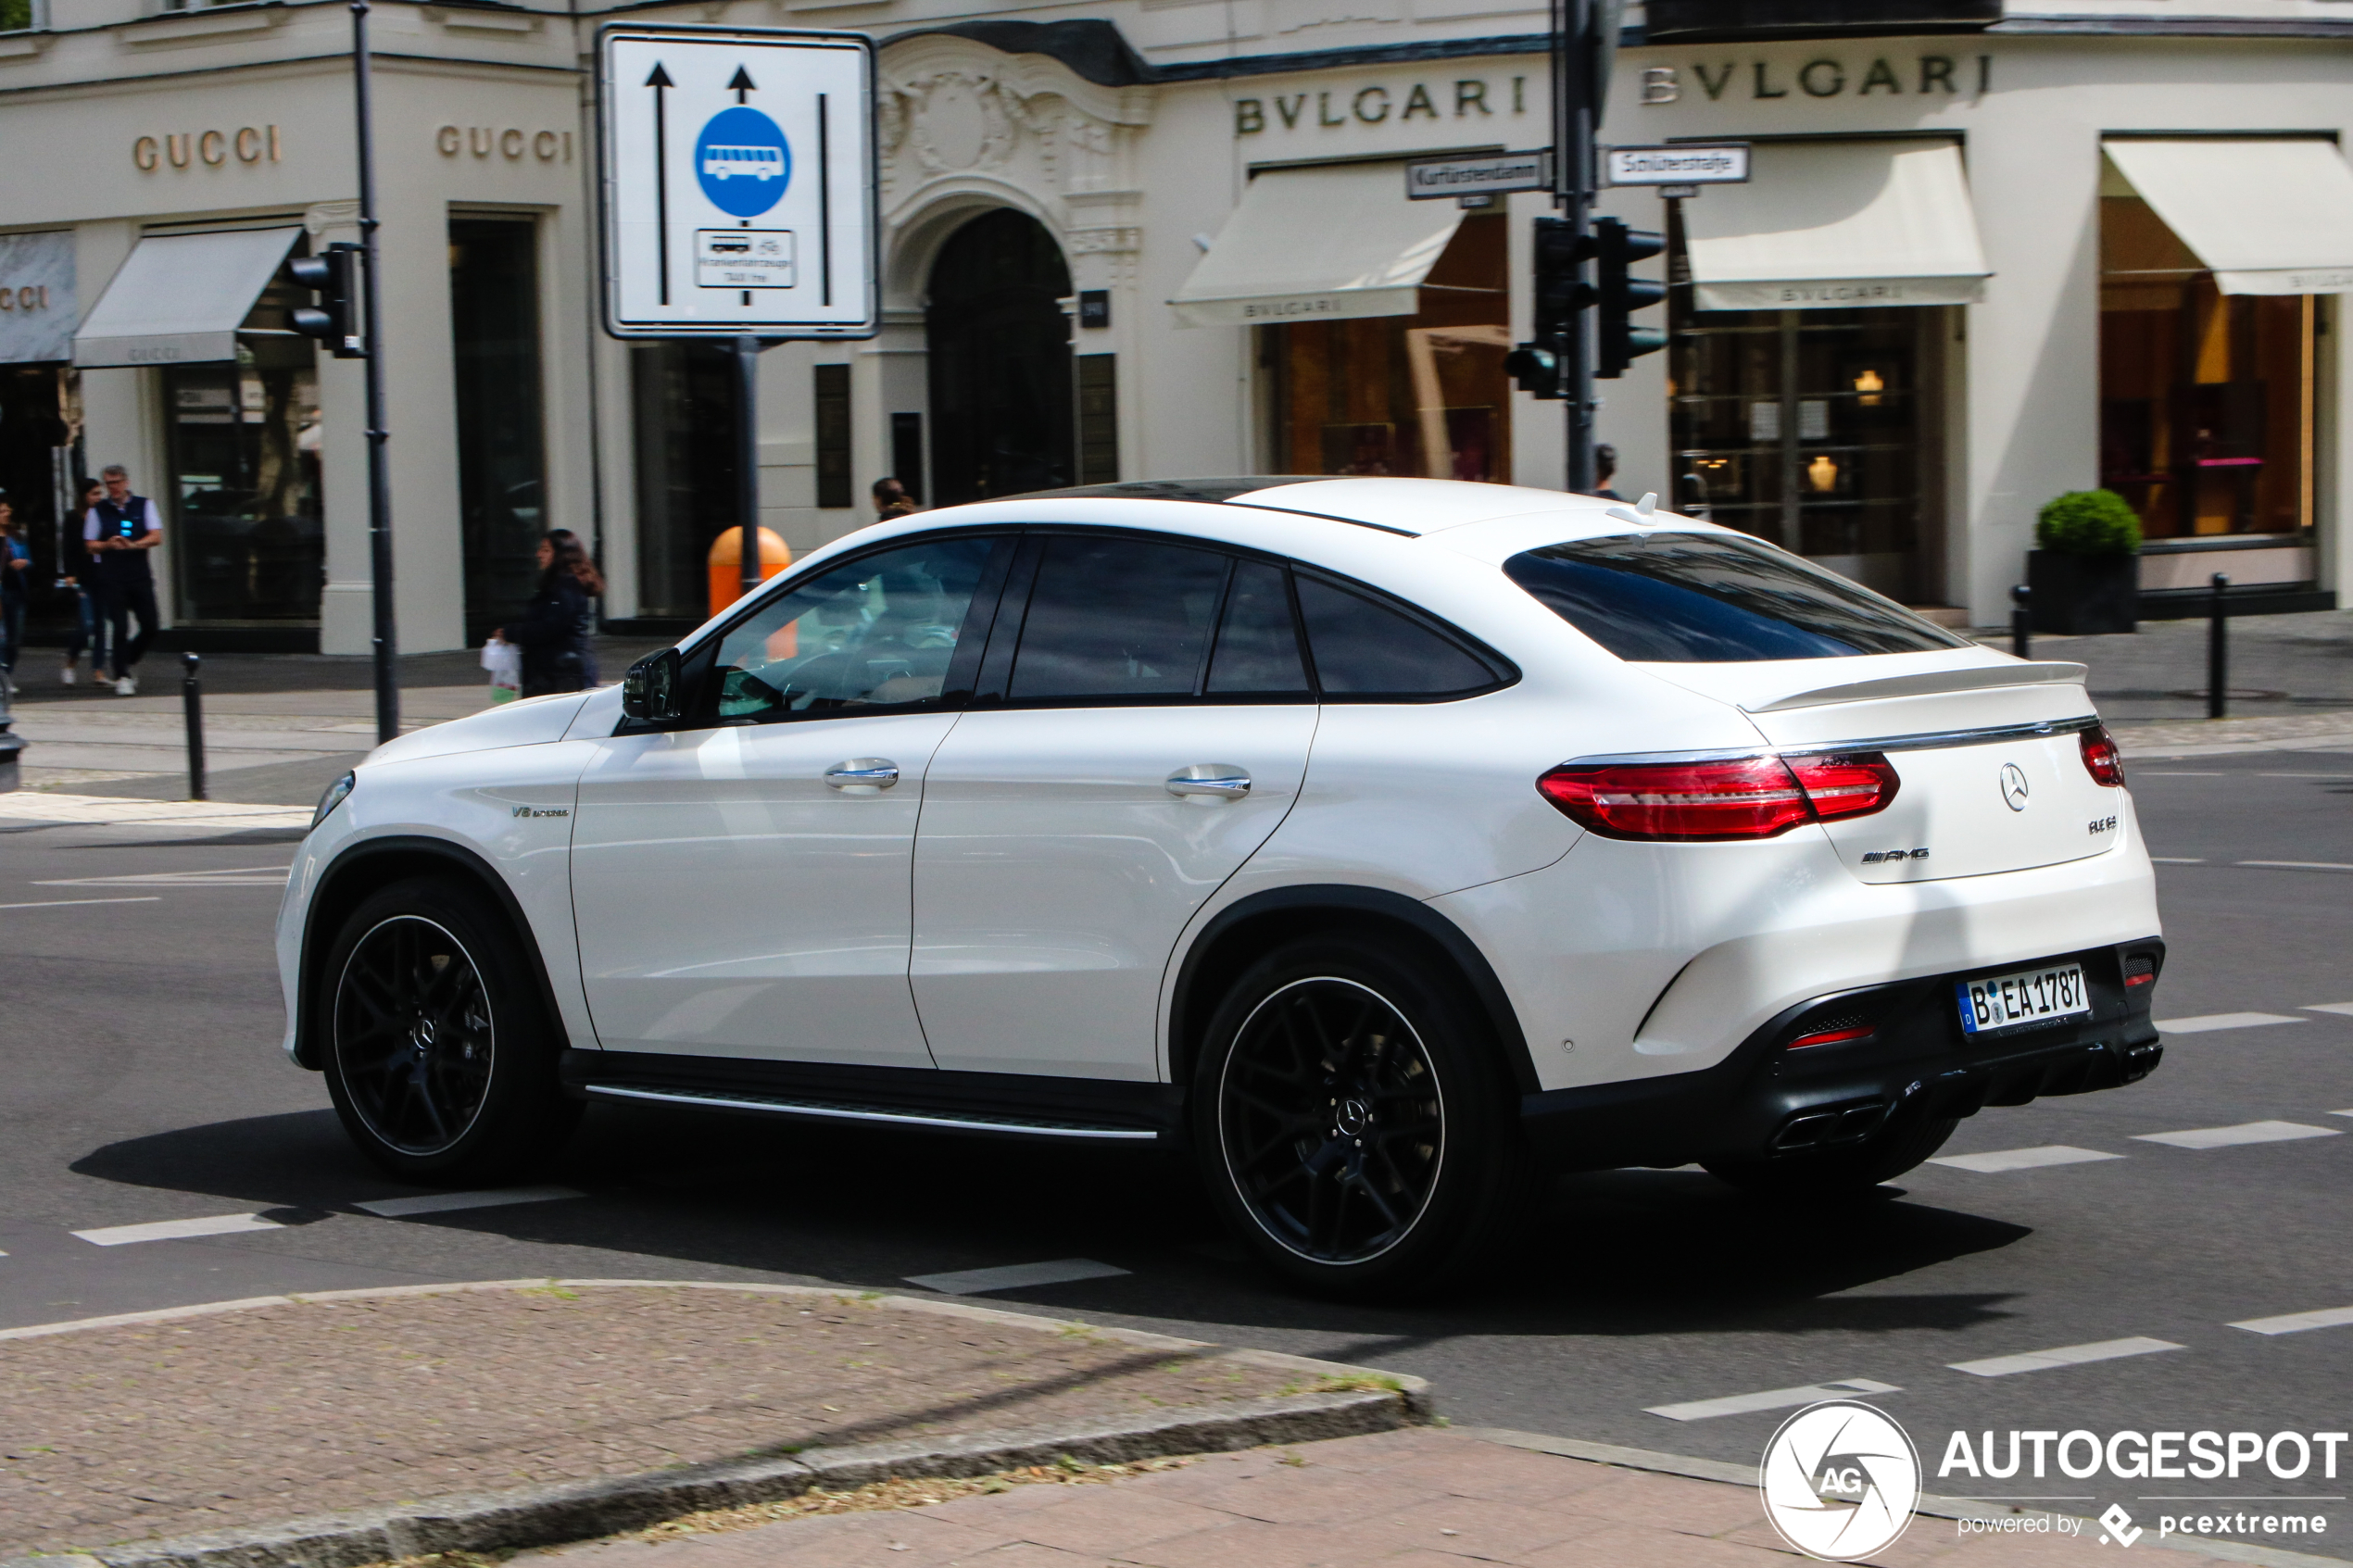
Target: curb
{"x":536,"y":1516}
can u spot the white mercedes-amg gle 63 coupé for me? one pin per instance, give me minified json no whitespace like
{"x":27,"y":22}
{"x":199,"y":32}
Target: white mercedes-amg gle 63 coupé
{"x":1381,"y":844}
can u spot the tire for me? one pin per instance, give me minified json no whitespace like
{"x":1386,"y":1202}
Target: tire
{"x":438,"y":1051}
{"x":1849,"y":1173}
{"x":1398,"y":1189}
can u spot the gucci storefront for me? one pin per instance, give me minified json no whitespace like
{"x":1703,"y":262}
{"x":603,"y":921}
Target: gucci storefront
{"x":1983,"y":260}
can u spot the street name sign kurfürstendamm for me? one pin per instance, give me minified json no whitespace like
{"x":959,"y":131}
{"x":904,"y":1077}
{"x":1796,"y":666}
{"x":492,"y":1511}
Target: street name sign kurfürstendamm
{"x":738,"y":179}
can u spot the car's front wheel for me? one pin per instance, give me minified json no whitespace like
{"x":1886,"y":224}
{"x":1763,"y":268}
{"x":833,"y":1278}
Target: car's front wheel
{"x":439,"y":1054}
{"x":1353,"y":1120}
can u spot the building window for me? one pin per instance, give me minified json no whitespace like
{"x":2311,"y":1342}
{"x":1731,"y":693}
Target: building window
{"x":493,"y":313}
{"x":1423,"y":395}
{"x":1098,"y":419}
{"x":242,"y":444}
{"x":832,"y":396}
{"x":683,"y":397}
{"x":1814,"y":429}
{"x":2206,"y":398}
{"x":23,"y":16}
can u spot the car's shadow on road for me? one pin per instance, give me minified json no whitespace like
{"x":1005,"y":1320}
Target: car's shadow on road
{"x":1611,"y":1253}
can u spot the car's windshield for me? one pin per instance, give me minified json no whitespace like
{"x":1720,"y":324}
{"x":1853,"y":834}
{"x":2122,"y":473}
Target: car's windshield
{"x":1673,"y":597}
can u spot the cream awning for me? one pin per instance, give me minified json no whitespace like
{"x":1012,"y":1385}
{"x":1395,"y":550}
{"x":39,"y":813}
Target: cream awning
{"x":1822,"y":225}
{"x":179,"y":298}
{"x":2269,"y":216}
{"x":1309,"y":243}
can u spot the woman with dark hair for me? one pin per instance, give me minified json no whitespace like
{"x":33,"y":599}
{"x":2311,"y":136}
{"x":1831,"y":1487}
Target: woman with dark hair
{"x":557,"y":630}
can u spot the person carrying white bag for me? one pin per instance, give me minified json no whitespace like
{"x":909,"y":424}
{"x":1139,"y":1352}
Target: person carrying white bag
{"x":504,"y":660}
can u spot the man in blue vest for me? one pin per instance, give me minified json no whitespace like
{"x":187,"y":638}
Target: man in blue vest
{"x":119,"y":533}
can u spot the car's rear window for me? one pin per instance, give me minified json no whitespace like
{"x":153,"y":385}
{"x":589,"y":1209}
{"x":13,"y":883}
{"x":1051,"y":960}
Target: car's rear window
{"x":1714,"y":599}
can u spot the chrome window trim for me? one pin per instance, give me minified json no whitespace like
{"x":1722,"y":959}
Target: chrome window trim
{"x":1937,"y":740}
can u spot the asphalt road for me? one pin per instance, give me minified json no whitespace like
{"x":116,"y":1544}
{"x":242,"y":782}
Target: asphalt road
{"x":140,"y":1043}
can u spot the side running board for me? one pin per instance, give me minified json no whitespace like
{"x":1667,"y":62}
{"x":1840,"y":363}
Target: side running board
{"x":950,"y":1121}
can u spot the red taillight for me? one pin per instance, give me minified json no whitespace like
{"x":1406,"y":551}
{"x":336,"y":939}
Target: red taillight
{"x":1833,"y":1036}
{"x":1743,"y":797}
{"x":2101,"y":758}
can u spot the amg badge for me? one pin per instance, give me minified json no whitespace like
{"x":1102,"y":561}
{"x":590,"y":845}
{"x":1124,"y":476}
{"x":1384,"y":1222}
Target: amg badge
{"x":1876,"y":856}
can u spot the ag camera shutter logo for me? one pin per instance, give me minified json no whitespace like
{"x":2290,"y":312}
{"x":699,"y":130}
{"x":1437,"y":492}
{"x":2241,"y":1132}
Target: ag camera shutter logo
{"x":1839,"y":1481}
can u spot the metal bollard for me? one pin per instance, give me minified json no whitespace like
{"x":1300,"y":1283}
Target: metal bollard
{"x":2218,"y":647}
{"x":191,"y":701}
{"x":2022,"y":624}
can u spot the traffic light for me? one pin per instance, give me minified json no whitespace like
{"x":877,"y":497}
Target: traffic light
{"x":334,"y":321}
{"x":1620,"y":341}
{"x":1561,"y":291}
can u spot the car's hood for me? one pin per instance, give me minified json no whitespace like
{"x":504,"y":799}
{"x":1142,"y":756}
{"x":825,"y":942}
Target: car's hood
{"x":532,"y":721}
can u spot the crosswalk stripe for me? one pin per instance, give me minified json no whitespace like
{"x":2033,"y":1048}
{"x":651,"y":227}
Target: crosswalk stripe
{"x":444,"y":1202}
{"x":2063,"y":1355}
{"x":176,"y":1230}
{"x":1014,"y":1276}
{"x":2199,"y":1025}
{"x":2298,"y":1322}
{"x":1770,"y":1400}
{"x":2245,"y":1131}
{"x":2346,"y":1008}
{"x":2023,"y":1159}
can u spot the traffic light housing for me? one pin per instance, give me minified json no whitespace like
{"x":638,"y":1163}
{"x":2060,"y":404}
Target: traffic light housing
{"x":1560,"y":292}
{"x":333,"y":275}
{"x":1620,"y":340}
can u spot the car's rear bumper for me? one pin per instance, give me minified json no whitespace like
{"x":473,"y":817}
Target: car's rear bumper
{"x":1767,"y":1100}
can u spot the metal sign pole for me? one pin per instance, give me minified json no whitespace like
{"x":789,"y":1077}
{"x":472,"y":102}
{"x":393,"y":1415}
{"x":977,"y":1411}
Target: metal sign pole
{"x":387,"y":644}
{"x":1573,"y":172}
{"x":748,"y":458}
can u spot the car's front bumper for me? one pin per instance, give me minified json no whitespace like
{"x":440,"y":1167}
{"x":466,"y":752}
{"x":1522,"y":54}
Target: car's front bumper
{"x":1767,"y":1100}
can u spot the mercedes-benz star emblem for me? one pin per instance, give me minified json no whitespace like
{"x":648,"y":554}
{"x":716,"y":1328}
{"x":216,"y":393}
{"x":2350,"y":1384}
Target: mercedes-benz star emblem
{"x":2013,"y":786}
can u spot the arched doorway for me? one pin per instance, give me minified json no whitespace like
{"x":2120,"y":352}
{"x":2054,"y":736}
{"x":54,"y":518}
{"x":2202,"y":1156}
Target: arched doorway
{"x":999,"y":352}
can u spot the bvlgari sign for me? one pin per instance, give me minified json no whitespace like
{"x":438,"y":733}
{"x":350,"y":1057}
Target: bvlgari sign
{"x":37,"y":314}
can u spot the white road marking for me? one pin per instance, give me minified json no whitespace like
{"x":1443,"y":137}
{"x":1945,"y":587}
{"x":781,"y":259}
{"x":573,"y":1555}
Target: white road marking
{"x":443,"y":1202}
{"x":2245,"y":1131}
{"x":2177,"y":859}
{"x":1014,"y":1276}
{"x":75,"y":903}
{"x":242,"y":876}
{"x":1770,"y":1400}
{"x":2300,"y":865}
{"x":176,"y":1230}
{"x":2341,"y":1113}
{"x":2063,"y":1355}
{"x":2023,"y":1158}
{"x":2205,"y":1021}
{"x":2346,"y":1008}
{"x":2296,"y":1322}
{"x":2157,"y":773}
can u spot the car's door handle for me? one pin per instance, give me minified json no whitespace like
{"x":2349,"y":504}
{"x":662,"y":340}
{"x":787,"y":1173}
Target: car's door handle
{"x":864,"y":775}
{"x":1209,"y":781}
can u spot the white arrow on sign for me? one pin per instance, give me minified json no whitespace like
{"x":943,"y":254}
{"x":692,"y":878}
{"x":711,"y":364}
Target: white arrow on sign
{"x":738,"y":182}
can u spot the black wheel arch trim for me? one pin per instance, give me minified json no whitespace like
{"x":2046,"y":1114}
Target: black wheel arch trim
{"x":408,"y":846}
{"x":1189,"y":1013}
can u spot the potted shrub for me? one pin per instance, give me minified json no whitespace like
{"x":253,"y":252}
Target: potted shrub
{"x":2084,"y":574}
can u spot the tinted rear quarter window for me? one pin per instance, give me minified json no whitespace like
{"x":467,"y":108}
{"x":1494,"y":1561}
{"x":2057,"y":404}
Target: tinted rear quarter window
{"x":1673,"y":597}
{"x":1367,"y":651}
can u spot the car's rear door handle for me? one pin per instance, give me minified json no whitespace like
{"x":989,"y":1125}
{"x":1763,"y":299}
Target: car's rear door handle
{"x":864,"y":775}
{"x":1209,"y":781}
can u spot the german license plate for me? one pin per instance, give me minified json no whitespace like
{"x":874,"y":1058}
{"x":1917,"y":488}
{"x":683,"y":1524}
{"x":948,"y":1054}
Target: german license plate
{"x":2035,"y":996}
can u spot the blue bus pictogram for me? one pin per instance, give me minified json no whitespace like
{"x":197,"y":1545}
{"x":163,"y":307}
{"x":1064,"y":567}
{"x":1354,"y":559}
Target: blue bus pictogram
{"x":742,"y":161}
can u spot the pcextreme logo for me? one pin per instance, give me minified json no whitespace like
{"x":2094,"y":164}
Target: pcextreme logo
{"x":1840,"y":1480}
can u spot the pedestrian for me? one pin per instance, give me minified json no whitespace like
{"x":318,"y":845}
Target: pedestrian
{"x":557,"y":631}
{"x":1604,"y":470}
{"x":16,"y":567}
{"x":76,"y":577}
{"x":891,"y":500}
{"x":120,"y":532}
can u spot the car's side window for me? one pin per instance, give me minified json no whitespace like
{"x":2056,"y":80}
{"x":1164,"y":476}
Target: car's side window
{"x":1257,"y":653}
{"x":880,"y":633}
{"x":1367,"y":651}
{"x":1116,"y":619}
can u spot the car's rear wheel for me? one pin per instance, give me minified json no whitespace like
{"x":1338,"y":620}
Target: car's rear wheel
{"x":1842,"y":1172}
{"x":1354,"y":1122}
{"x":440,"y":1057}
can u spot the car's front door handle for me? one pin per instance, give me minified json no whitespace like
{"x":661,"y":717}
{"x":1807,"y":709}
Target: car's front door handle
{"x":864,"y":775}
{"x":1209,"y":781}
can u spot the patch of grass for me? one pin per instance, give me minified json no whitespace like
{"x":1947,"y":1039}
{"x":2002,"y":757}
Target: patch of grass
{"x":1357,"y":1383}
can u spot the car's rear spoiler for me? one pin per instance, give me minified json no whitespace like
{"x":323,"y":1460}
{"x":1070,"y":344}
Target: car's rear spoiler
{"x":1975,"y":678}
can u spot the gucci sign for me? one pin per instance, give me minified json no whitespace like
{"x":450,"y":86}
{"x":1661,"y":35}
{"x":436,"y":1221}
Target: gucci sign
{"x":184,"y":149}
{"x":513,"y":144}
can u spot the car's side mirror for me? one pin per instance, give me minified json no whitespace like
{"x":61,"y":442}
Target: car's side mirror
{"x":649,"y":690}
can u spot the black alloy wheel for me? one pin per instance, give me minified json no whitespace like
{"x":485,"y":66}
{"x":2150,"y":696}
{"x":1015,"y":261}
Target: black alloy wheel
{"x":1354,"y":1121}
{"x":438,"y":1049}
{"x":1333,"y":1123}
{"x":414,"y":1040}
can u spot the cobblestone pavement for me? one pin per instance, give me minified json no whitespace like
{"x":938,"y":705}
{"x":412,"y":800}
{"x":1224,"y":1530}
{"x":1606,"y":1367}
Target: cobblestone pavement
{"x":181,"y":1426}
{"x":1414,"y":1499}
